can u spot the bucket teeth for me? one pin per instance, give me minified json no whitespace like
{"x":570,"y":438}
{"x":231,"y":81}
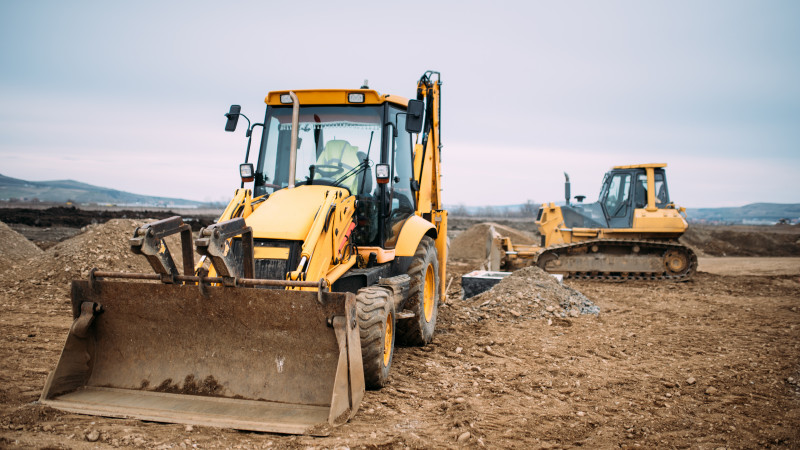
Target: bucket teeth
{"x":80,"y":327}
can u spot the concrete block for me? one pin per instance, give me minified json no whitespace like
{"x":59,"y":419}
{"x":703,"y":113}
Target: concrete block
{"x":479,"y":281}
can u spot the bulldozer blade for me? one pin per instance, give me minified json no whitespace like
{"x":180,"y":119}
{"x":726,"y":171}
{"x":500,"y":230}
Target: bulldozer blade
{"x":284,"y":361}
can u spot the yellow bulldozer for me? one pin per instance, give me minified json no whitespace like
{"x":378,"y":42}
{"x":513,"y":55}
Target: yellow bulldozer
{"x":337,"y":249}
{"x":630,"y":233}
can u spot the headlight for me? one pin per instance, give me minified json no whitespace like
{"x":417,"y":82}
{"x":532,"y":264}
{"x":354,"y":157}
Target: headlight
{"x":246,"y":172}
{"x":382,"y":173}
{"x":355,"y":97}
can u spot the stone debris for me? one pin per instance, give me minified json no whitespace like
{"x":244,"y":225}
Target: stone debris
{"x":527,"y":293}
{"x":93,"y":436}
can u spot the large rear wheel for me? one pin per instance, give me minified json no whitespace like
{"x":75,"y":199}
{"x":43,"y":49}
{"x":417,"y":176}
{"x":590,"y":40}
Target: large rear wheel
{"x":423,"y":295}
{"x":376,"y":323}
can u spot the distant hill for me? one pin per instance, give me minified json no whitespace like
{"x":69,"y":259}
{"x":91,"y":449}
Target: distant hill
{"x":61,"y":191}
{"x":754,"y":213}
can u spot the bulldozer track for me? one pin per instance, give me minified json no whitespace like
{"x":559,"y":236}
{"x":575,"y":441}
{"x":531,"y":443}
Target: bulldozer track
{"x":619,"y":277}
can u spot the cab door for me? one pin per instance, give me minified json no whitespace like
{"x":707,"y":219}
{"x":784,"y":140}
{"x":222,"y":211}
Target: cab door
{"x":401,"y":204}
{"x":617,"y":202}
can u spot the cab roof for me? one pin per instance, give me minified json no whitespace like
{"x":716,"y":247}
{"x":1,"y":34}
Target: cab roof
{"x":642,"y":166}
{"x":335,"y":97}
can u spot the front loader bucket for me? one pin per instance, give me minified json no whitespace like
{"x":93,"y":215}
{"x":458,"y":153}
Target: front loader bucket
{"x":285,"y":361}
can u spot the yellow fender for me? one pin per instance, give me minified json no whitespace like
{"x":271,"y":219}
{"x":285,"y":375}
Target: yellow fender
{"x":412,"y":232}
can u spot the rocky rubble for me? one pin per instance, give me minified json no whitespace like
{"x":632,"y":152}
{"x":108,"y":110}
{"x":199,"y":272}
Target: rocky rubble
{"x":527,"y":293}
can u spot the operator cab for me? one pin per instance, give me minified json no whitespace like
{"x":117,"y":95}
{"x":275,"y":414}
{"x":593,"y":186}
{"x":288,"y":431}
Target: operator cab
{"x":623,"y":190}
{"x":343,"y":136}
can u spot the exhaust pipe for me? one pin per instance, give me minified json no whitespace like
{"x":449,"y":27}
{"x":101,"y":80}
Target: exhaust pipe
{"x":295,"y":131}
{"x":566,"y":187}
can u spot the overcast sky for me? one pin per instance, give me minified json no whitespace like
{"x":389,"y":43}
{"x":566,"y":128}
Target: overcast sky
{"x":131,"y":95}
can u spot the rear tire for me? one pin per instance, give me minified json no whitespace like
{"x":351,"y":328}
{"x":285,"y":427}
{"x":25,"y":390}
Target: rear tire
{"x":376,"y":323}
{"x":423,"y":296}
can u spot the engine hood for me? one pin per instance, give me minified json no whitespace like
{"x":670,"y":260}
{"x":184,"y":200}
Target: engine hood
{"x":289,"y":213}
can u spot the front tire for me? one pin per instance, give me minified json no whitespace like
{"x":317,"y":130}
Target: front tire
{"x":376,"y":323}
{"x":423,"y":296}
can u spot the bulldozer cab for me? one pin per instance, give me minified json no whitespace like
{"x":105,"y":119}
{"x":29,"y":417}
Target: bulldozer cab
{"x":624,"y":190}
{"x":628,"y":188}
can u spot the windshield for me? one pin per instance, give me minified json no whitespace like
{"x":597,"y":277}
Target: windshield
{"x":603,"y":188}
{"x":336,"y":143}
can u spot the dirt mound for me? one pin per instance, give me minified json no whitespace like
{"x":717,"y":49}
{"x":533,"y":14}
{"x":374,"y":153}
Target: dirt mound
{"x":471,"y":244}
{"x":104,"y":246}
{"x":15,"y":249}
{"x":744,"y":240}
{"x":29,"y":416}
{"x":528,"y":292}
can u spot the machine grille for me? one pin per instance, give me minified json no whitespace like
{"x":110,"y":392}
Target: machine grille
{"x":267,"y":268}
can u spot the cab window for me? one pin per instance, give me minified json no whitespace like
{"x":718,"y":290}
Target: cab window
{"x":618,"y":194}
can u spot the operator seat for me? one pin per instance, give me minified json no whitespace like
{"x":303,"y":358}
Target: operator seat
{"x":640,"y":197}
{"x":341,"y":154}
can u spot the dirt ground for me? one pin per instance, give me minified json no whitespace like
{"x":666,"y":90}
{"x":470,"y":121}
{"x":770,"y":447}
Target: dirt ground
{"x":710,"y":363}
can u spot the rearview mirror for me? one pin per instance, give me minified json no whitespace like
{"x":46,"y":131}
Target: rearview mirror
{"x":233,"y":117}
{"x":414,"y":117}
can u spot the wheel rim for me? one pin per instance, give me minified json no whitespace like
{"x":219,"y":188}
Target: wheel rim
{"x":429,"y":295}
{"x":387,"y":341}
{"x":675,"y":261}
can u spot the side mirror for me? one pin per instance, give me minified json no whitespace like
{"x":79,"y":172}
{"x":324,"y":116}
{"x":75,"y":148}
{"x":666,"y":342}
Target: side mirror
{"x":233,"y":117}
{"x":416,"y":109}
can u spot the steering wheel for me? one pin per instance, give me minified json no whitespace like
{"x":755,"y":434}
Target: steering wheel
{"x":331,"y":170}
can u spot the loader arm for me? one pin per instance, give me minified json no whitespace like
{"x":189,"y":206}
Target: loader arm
{"x":427,"y":169}
{"x":325,"y":253}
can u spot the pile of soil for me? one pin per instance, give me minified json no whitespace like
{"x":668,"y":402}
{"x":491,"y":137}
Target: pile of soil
{"x":103,"y":246}
{"x":471,"y":244}
{"x":527,"y":293}
{"x":779,"y":240}
{"x":15,"y":249}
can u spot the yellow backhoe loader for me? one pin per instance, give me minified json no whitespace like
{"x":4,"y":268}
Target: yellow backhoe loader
{"x":336,"y":249}
{"x":630,"y":233}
